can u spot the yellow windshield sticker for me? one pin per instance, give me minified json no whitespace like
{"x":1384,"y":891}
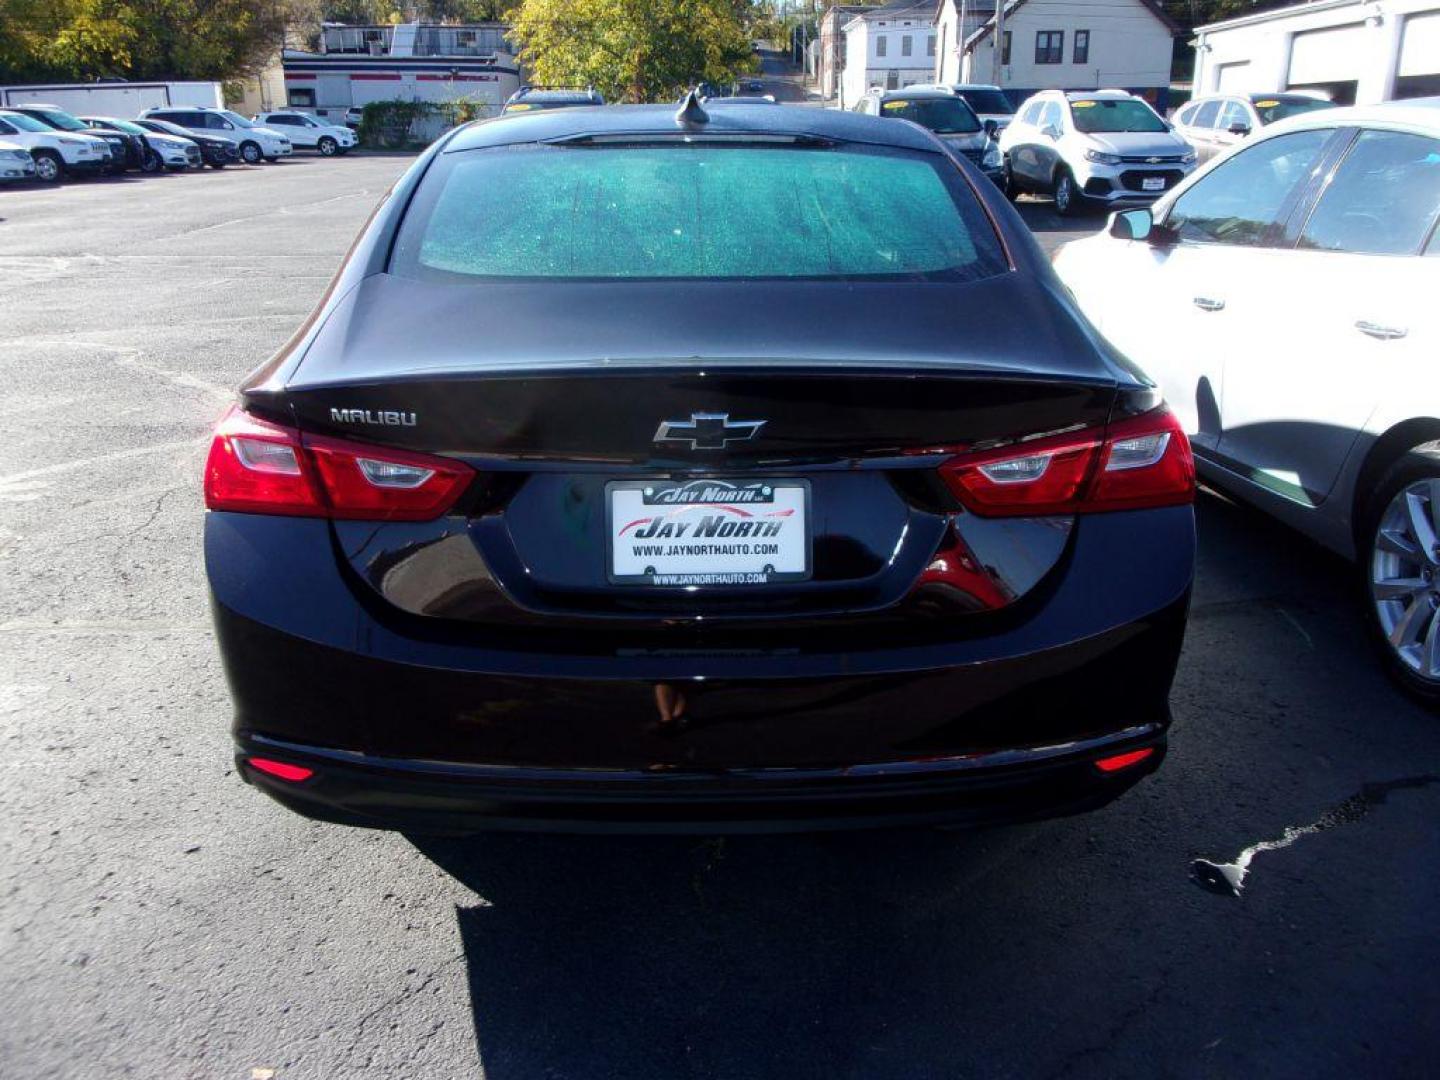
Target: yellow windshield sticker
{"x":520,"y":108}
{"x":893,"y":106}
{"x":1082,"y":104}
{"x":1266,"y":104}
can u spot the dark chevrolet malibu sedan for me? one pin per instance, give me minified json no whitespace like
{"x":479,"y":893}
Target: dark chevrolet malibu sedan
{"x":657,"y":470}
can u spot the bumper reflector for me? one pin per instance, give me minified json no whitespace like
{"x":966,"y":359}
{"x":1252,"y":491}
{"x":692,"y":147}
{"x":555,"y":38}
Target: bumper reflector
{"x":1123,"y":761}
{"x":284,"y":770}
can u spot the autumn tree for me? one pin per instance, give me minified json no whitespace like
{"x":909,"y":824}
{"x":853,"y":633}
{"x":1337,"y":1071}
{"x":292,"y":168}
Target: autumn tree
{"x":632,"y":50}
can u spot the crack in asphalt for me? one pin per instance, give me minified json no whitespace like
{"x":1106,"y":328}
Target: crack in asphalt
{"x":1228,"y":879}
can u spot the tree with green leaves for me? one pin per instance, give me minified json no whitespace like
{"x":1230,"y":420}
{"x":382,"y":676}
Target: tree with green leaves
{"x":138,"y":39}
{"x":633,"y":50}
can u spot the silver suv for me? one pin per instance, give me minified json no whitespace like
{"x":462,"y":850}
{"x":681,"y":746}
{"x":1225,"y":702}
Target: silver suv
{"x":947,"y":115}
{"x":1100,"y":147}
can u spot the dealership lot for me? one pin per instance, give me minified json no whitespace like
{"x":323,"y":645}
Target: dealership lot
{"x":158,"y":918}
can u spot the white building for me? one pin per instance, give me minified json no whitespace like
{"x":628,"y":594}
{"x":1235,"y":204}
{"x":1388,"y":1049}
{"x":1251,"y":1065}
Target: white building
{"x":1352,"y":51}
{"x":890,"y":46}
{"x":1060,"y":45}
{"x":411,"y":61}
{"x":830,"y":46}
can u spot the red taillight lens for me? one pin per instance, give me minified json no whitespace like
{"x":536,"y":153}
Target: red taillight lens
{"x":282,"y":769}
{"x":380,"y":484}
{"x":260,"y":467}
{"x":1144,"y":461}
{"x":1147,"y":463}
{"x":1123,"y":761}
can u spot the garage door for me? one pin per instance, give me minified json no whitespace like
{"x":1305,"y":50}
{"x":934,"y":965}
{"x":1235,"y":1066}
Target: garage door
{"x":1419,"y":73}
{"x":1326,"y":56}
{"x":1232,"y":78}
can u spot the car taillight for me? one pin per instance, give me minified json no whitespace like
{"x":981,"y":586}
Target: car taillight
{"x":1144,"y":461}
{"x":260,"y":467}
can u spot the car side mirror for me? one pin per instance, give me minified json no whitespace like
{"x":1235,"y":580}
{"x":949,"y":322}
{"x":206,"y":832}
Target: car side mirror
{"x":1050,"y":131}
{"x":1131,"y":224}
{"x":227,"y":125}
{"x":1239,"y":129}
{"x":992,"y":129}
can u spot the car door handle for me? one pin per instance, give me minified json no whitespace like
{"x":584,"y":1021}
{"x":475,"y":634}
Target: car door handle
{"x":1384,"y":333}
{"x":1204,"y":303}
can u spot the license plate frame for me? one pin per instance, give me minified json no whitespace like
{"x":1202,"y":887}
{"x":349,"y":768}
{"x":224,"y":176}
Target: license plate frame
{"x":1152,"y":183}
{"x":785,"y":494}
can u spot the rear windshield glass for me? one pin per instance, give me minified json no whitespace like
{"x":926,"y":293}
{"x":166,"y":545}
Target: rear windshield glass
{"x":1271,"y":109}
{"x":1114,"y":114}
{"x":988,"y":101}
{"x":695,"y":211}
{"x":944,"y":116}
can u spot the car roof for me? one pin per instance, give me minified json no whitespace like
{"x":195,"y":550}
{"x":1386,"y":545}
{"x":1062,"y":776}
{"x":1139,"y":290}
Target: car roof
{"x":1420,"y":113}
{"x":1098,"y":95}
{"x":555,"y":125}
{"x":915,"y":92}
{"x":555,"y":93}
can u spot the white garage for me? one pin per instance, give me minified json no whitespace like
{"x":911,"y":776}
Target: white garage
{"x":1350,"y":51}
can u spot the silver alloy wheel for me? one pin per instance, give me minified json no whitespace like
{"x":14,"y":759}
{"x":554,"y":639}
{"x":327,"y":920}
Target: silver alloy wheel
{"x":250,"y":152}
{"x":1405,"y":576}
{"x":47,"y":168}
{"x":1063,"y":192}
{"x":328,"y":146}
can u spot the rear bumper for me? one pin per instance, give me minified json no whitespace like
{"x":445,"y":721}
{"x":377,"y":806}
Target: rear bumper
{"x":431,"y":797}
{"x":444,"y":727}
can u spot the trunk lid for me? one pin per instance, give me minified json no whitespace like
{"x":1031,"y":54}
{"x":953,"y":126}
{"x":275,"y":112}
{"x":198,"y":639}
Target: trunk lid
{"x":854,"y":392}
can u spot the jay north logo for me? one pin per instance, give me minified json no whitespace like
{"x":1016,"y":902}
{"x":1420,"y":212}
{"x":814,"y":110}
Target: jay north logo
{"x":709,"y":491}
{"x":385,"y":417}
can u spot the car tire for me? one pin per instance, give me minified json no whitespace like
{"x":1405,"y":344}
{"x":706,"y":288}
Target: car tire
{"x":49,"y":168}
{"x":1399,"y":563}
{"x":1068,"y":200}
{"x":1012,"y":189}
{"x":152,"y":162}
{"x":327,"y":146}
{"x":250,"y":153}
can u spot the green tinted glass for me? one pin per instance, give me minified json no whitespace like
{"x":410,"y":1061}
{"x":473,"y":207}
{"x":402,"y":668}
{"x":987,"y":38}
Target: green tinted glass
{"x":686,"y":211}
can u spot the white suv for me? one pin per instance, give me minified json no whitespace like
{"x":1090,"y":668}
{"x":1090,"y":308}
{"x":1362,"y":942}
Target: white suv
{"x":306,"y":131}
{"x":1284,"y":301}
{"x":1102,"y":147}
{"x":255,"y":140}
{"x":55,"y":152}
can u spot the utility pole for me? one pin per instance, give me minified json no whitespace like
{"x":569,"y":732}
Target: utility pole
{"x":999,"y":42}
{"x":959,"y":50}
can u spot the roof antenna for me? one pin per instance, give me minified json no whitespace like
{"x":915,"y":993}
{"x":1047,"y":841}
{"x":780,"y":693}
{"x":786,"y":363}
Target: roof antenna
{"x":690,"y":111}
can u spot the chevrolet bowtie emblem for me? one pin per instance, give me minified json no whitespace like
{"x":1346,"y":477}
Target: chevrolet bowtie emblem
{"x":707,"y":431}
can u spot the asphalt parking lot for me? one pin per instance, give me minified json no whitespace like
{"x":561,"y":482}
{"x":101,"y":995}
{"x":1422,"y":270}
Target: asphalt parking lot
{"x":159,"y":919}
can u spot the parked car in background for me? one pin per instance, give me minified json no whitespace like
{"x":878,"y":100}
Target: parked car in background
{"x":1092,"y":148}
{"x":602,"y":570}
{"x":988,"y":102}
{"x":308,"y":133}
{"x":947,"y":115}
{"x":256,"y":142}
{"x":15,"y":162}
{"x":165,"y":151}
{"x":1285,"y":301}
{"x":126,"y":151}
{"x":56,"y":154}
{"x":215,"y":150}
{"x":1214,"y":124}
{"x":533,"y":98}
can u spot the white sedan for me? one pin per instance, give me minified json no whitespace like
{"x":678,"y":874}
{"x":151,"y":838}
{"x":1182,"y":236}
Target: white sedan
{"x":1285,"y":299}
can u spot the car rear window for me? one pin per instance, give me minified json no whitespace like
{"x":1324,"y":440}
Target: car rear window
{"x":695,"y":211}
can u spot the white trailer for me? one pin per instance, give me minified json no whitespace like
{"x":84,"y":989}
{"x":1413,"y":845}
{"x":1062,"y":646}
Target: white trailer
{"x":120,"y":99}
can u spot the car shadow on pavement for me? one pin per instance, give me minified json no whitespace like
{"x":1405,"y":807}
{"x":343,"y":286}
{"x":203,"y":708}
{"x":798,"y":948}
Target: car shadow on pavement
{"x":1080,"y":946}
